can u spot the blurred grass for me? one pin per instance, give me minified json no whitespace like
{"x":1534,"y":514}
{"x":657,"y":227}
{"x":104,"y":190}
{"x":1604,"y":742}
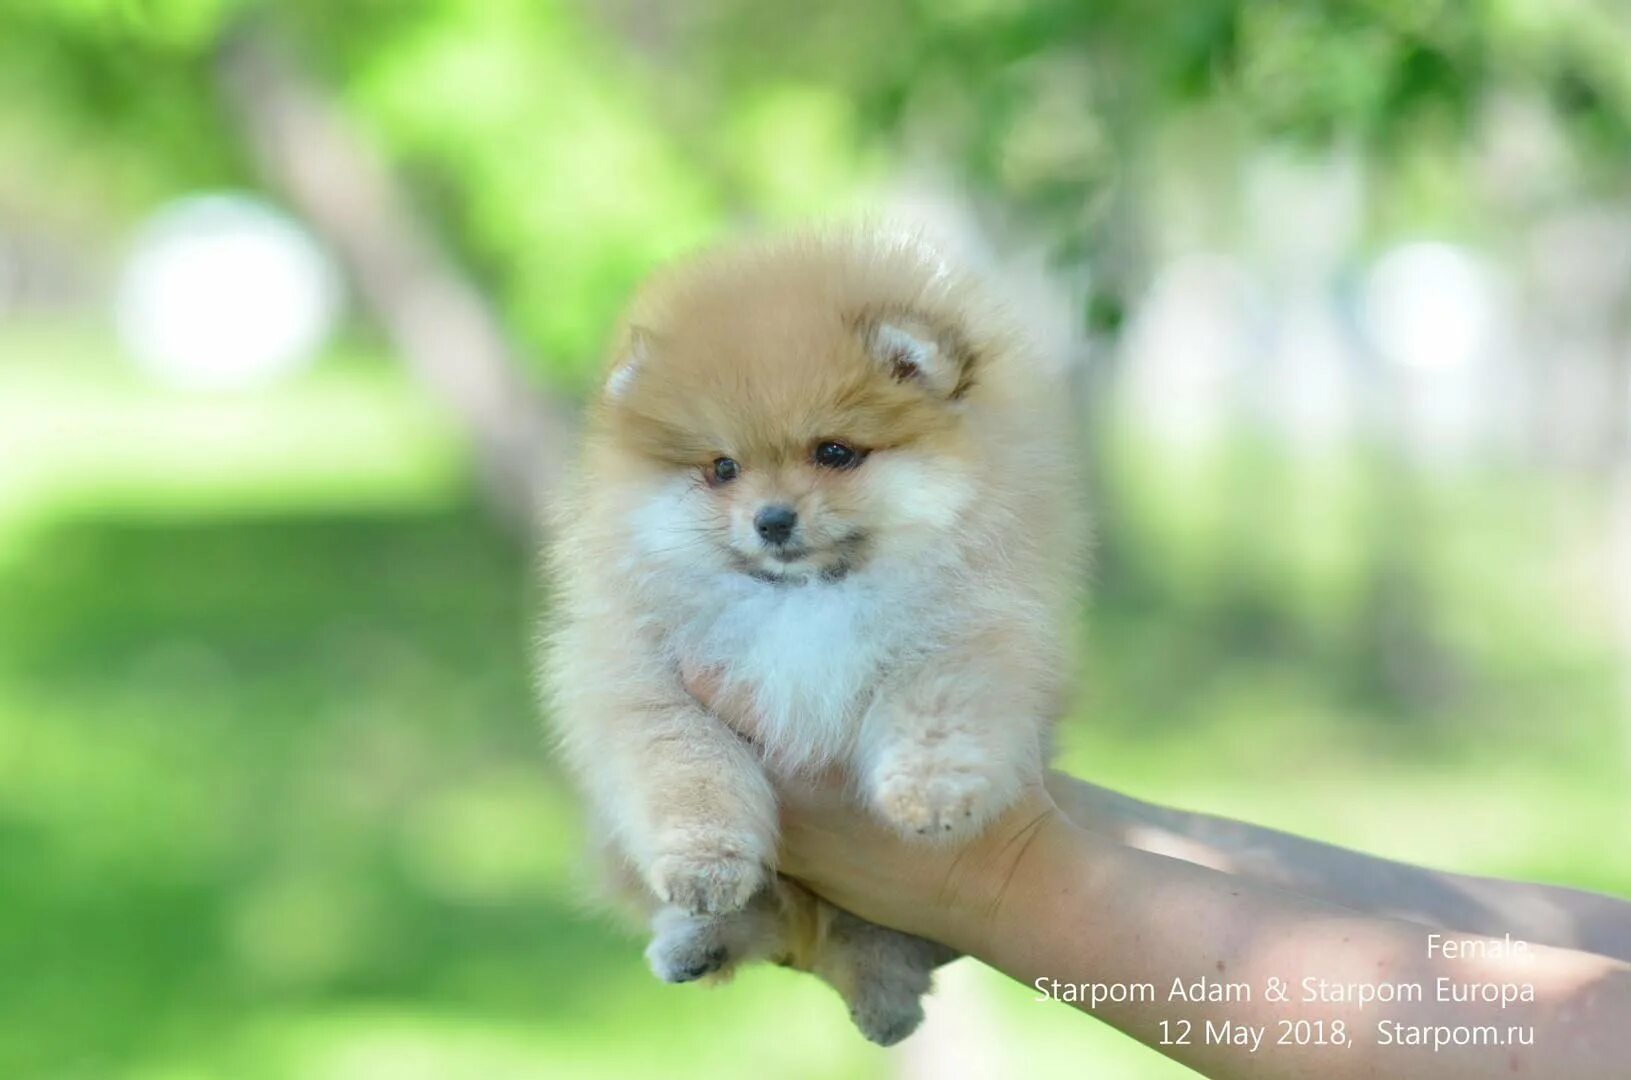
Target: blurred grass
{"x":273,"y":797}
{"x":274,"y":802}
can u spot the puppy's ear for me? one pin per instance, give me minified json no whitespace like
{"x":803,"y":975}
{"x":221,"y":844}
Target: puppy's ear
{"x":627,"y":369}
{"x":911,"y":350}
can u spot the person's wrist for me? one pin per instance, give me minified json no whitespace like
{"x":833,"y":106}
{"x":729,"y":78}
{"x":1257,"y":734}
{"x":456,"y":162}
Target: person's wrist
{"x":997,"y":873}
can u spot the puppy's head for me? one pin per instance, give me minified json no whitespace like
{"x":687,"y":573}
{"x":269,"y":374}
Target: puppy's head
{"x":795,"y":414}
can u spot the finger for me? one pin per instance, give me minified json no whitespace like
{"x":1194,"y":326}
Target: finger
{"x":735,"y":708}
{"x":702,"y":684}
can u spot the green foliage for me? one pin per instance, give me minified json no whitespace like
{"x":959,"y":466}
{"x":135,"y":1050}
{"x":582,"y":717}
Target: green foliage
{"x":548,"y":171}
{"x":565,"y":148}
{"x":1058,"y":108}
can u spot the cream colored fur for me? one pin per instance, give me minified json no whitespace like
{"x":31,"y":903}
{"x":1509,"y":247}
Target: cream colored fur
{"x":912,"y":634}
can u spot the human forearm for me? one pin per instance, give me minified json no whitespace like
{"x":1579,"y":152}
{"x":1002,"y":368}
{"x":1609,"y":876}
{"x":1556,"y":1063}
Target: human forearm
{"x":1540,"y":914}
{"x":1133,"y":900}
{"x":1077,"y":908}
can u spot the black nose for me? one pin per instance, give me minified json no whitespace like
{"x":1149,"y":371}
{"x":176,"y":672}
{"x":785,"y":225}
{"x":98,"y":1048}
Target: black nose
{"x":775,"y":523}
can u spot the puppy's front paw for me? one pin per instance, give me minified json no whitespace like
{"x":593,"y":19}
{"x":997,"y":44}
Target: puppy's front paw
{"x":687,"y":949}
{"x":934,"y":801}
{"x":711,"y":878}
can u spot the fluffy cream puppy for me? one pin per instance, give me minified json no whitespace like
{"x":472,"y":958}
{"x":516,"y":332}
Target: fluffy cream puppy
{"x":825,"y":469}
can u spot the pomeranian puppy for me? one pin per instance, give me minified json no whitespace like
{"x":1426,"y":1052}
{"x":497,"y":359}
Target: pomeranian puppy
{"x":825,"y":470}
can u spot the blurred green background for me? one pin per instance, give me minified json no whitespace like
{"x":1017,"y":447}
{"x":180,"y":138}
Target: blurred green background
{"x":1346,"y":288}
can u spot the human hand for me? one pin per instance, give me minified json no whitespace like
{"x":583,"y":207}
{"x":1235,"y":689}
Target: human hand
{"x":829,"y":843}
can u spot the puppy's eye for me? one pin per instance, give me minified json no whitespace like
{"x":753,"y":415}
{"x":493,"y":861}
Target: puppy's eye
{"x":835,"y":455}
{"x":724,"y":470}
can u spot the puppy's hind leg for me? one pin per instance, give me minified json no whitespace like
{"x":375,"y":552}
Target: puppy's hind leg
{"x":881,"y":974}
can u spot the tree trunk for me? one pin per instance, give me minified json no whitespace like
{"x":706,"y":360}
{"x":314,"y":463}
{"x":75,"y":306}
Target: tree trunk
{"x":439,"y":324}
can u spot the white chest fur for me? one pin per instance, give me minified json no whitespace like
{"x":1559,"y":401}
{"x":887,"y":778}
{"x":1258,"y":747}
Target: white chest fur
{"x":810,"y":655}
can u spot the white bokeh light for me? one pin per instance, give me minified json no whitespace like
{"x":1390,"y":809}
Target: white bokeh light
{"x":1189,"y":349}
{"x":1434,"y":313}
{"x":1428,"y":307}
{"x":222,"y":292}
